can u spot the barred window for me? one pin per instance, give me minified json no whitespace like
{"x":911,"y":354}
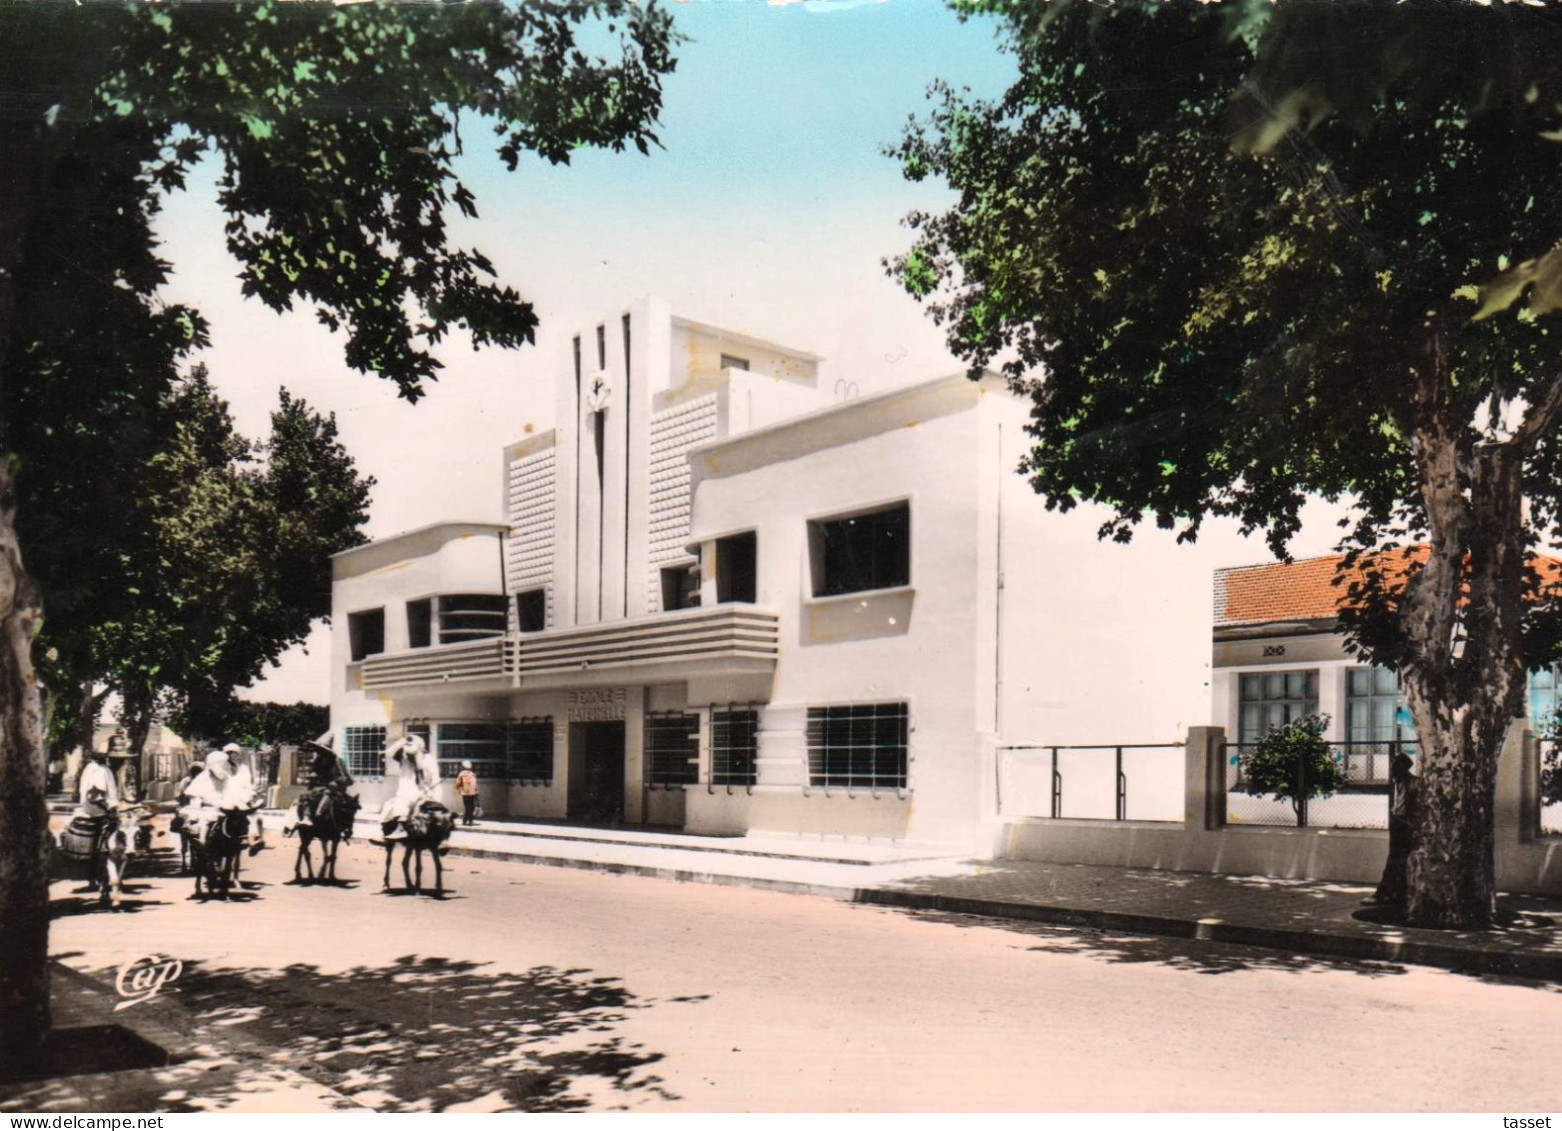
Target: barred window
{"x":672,"y":748}
{"x":530,"y":747}
{"x":733,"y":745}
{"x":485,"y":745}
{"x":862,"y":746}
{"x":361,"y":749}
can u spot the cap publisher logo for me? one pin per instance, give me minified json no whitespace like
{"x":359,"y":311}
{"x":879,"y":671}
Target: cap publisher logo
{"x":141,"y":979}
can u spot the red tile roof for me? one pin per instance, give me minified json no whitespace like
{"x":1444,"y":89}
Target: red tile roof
{"x":1302,"y":590}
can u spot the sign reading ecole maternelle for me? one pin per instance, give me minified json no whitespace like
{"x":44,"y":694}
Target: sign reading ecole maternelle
{"x":604,"y":705}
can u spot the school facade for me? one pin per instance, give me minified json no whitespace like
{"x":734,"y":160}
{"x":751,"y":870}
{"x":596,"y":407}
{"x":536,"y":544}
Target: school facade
{"x":722,"y":599}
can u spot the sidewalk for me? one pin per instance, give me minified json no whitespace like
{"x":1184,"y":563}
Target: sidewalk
{"x":166,"y":1062}
{"x":1294,"y":916}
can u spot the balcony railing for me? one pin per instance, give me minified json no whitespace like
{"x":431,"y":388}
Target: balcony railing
{"x":475,"y":660}
{"x":724,"y":638}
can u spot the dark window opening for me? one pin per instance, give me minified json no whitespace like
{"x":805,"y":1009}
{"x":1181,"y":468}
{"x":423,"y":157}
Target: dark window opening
{"x":601,"y":346}
{"x":472,"y":616}
{"x":531,"y":610}
{"x":728,"y":361}
{"x":680,"y":588}
{"x":866,"y":551}
{"x":530,"y":749}
{"x":672,"y":748}
{"x":420,"y":623}
{"x":860,"y":746}
{"x":737,"y":567}
{"x":366,"y":633}
{"x":734,"y":746}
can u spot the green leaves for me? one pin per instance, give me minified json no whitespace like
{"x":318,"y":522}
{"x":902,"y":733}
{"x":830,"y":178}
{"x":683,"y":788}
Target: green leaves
{"x":1292,"y":763}
{"x":1542,"y":276}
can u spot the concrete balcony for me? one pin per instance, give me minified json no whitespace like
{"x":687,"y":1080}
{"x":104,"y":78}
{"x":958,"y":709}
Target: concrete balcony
{"x":486,"y":662}
{"x":724,"y":640}
{"x":691,"y":643}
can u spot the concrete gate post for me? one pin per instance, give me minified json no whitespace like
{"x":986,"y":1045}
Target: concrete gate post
{"x":1204,"y":784}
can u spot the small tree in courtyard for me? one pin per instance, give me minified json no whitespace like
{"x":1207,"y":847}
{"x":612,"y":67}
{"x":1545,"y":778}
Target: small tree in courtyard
{"x":1293,"y":763}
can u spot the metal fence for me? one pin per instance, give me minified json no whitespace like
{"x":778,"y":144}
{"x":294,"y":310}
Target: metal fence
{"x":1360,"y":803}
{"x":1141,"y":782}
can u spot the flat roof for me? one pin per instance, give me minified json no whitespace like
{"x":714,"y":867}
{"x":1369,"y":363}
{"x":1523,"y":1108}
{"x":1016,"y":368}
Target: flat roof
{"x":453,"y":529}
{"x":741,"y":339}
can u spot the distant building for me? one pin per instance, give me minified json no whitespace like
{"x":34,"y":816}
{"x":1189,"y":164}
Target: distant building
{"x":722,"y":601}
{"x":1277,"y":657}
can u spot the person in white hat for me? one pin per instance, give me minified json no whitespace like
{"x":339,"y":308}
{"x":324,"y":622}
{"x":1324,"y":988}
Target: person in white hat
{"x":466,"y":789}
{"x":417,"y":777}
{"x":221,"y":785}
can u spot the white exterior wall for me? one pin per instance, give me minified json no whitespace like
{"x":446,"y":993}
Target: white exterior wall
{"x":1096,"y":648}
{"x":915,"y":644}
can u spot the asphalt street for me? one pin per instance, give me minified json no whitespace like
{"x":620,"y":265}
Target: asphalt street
{"x":548,"y":989}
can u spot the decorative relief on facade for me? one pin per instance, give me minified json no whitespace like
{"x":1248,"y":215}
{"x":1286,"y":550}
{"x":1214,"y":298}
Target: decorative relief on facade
{"x":673,"y":432}
{"x":529,"y":550}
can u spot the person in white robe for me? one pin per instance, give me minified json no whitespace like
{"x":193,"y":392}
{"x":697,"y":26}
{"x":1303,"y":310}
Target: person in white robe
{"x":221,"y":785}
{"x":417,"y":777}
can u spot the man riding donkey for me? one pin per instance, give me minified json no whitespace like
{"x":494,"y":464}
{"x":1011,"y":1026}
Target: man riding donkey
{"x":223,"y":784}
{"x":327,"y":788}
{"x":97,"y":811}
{"x":416,"y":781}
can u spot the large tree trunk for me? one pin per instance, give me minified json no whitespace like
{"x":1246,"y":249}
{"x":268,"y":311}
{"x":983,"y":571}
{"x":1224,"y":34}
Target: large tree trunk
{"x":1462,"y":617}
{"x":24,"y":818}
{"x":24,"y":828}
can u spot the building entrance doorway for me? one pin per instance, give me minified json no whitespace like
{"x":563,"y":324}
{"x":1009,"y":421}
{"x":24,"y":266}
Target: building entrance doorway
{"x":596,"y":772}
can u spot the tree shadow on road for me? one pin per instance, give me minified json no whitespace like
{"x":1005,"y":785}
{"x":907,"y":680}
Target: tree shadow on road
{"x":435,"y":1034}
{"x":1192,"y":955}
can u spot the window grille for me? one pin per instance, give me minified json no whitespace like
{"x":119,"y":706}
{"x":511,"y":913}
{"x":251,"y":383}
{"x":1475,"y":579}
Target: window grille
{"x":672,"y":748}
{"x":1272,"y":699}
{"x":529,"y":743}
{"x":862,"y":746}
{"x":361,"y":750}
{"x":485,"y":745}
{"x":734,"y":744}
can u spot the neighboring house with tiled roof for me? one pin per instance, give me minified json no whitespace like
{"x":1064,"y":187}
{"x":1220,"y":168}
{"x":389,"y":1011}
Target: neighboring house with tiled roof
{"x":1277,"y":657}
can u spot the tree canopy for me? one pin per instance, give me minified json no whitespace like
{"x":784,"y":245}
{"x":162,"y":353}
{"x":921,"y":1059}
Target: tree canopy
{"x":228,"y":564}
{"x":336,"y":128}
{"x":1245,"y":255}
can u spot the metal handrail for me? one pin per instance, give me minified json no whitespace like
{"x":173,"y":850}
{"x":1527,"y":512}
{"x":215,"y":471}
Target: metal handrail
{"x":1057,"y":774}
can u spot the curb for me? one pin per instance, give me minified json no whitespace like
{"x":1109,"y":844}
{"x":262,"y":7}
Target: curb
{"x":681,"y":875}
{"x":1414,"y":952}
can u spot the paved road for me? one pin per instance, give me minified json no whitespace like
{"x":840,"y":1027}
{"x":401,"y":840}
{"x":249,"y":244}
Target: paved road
{"x":557,"y":989}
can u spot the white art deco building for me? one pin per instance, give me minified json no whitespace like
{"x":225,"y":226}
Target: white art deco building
{"x":723,"y":599}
